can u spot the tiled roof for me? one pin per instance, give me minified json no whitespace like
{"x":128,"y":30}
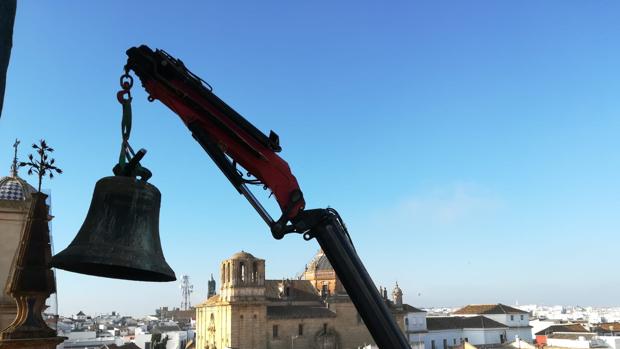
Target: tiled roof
{"x":609,"y":327}
{"x":298,"y":312}
{"x":411,"y":309}
{"x":320,"y":262}
{"x":15,"y":188}
{"x":406,"y":308}
{"x":489,"y":309}
{"x":242,"y":255}
{"x":573,"y":336}
{"x":300,"y":291}
{"x":459,"y":322}
{"x":211,"y":300}
{"x":165,"y":328}
{"x":562,"y":328}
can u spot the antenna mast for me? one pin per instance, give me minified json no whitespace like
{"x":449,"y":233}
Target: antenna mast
{"x":186,"y":291}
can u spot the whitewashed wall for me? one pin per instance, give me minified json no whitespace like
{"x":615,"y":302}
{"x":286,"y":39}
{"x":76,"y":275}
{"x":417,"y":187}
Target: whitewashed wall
{"x":518,"y":324}
{"x":612,"y":342}
{"x":483,"y":336}
{"x":517,"y":320}
{"x":524,"y":334}
{"x":415,"y":323}
{"x":452,"y":336}
{"x":568,"y":343}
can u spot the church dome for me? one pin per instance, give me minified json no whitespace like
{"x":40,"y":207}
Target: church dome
{"x":15,"y":189}
{"x":320,"y":262}
{"x":242,"y":255}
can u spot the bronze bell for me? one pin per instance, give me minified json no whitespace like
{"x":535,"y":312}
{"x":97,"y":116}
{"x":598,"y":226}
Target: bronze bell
{"x":120,"y":236}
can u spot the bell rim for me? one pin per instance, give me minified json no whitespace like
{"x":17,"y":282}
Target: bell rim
{"x":118,"y":272}
{"x":96,"y":262}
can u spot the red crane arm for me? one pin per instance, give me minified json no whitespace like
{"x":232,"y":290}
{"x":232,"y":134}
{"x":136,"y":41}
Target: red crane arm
{"x":230,"y":140}
{"x":226,"y":136}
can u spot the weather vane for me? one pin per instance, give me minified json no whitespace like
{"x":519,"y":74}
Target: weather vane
{"x":41,"y":166}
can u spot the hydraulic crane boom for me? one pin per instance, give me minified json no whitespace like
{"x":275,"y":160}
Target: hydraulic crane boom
{"x":225,"y":135}
{"x":231,"y":141}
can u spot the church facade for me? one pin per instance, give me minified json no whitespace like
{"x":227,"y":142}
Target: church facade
{"x":313,"y":311}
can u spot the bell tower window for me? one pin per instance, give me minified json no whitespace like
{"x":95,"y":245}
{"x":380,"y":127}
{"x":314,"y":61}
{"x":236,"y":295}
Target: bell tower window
{"x":242,"y":272}
{"x":226,"y":277}
{"x":254,"y":272}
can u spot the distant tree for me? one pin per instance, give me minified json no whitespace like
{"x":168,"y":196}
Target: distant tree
{"x":7,"y":20}
{"x":42,"y":166}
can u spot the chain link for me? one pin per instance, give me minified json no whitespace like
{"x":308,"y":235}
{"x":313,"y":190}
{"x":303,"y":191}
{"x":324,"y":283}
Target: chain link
{"x":128,"y":160}
{"x":124,"y":98}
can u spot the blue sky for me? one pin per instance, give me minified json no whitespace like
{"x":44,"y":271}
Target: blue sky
{"x":471,"y":146}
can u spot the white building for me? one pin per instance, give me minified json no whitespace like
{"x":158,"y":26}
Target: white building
{"x":450,"y":331}
{"x":541,"y":325}
{"x":177,"y":338}
{"x":516,"y":320}
{"x":87,"y":340}
{"x":415,"y":328}
{"x":612,"y":342}
{"x":577,"y":340}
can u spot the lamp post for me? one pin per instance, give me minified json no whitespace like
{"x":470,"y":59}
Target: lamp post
{"x":293,"y":341}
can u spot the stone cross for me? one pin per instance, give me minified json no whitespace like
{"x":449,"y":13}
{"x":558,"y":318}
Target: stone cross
{"x":14,"y":166}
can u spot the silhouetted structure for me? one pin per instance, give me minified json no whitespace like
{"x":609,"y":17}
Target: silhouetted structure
{"x":31,"y":282}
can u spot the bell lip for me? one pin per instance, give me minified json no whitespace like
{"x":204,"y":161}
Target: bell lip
{"x":85,"y":259}
{"x":112,"y":271}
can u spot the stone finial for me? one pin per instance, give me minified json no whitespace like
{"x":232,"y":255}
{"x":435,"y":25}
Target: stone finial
{"x":211,"y":287}
{"x":397,"y":295}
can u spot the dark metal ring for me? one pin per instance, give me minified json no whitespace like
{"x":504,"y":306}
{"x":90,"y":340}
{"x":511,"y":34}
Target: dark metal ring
{"x":126,"y":81}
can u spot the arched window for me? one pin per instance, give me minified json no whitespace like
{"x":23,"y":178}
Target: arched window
{"x":225,"y":272}
{"x":254,"y":272}
{"x":242,"y":272}
{"x":406,"y":323}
